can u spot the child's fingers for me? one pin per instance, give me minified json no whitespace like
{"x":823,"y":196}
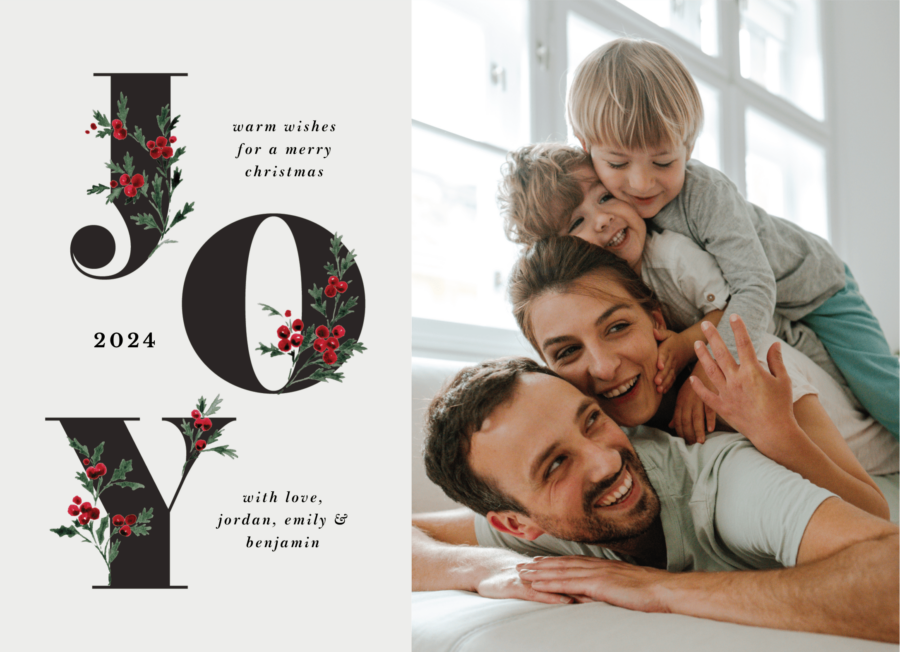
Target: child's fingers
{"x":697,"y":423}
{"x":723,"y":356}
{"x":742,"y":341}
{"x":710,"y":366}
{"x":710,"y":418}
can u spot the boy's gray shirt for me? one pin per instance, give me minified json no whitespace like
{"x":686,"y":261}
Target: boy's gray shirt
{"x":771,"y":265}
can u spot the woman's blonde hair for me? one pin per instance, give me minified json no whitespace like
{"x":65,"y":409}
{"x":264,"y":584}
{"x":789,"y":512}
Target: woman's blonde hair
{"x":539,"y":191}
{"x":634,"y":94}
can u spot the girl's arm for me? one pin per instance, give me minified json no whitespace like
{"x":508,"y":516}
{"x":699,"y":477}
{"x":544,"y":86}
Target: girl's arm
{"x":800,"y":436}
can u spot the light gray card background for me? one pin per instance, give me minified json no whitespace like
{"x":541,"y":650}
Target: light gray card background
{"x":341,"y":63}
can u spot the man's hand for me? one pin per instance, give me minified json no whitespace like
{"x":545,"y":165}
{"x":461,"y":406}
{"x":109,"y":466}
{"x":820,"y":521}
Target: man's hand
{"x":598,"y":580}
{"x":757,"y":402}
{"x":693,"y":418}
{"x":506,"y":582}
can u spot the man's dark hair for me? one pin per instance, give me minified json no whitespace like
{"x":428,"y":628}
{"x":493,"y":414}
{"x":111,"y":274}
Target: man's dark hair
{"x":456,"y":413}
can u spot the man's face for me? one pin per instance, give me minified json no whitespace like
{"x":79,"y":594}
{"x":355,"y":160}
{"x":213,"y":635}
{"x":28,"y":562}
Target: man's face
{"x":648,"y":180}
{"x":572,"y":468}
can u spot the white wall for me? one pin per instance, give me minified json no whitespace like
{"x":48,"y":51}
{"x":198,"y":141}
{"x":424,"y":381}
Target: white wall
{"x":862,"y":41}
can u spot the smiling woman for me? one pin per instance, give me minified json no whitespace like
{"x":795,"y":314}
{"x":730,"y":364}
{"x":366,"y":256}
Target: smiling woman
{"x":596,"y":323}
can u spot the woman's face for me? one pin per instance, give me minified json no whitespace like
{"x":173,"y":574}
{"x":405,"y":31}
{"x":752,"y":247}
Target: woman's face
{"x":603,"y":343}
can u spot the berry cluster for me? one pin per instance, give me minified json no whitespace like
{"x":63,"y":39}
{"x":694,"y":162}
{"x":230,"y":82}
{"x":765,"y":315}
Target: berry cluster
{"x":94,"y":472}
{"x":124,"y":523}
{"x":202,"y":423}
{"x":290,"y":338}
{"x":326,"y":342}
{"x":83,"y":511}
{"x":130,"y":185}
{"x":93,"y":126}
{"x":160,"y":147}
{"x":119,"y":130}
{"x":335,"y":286}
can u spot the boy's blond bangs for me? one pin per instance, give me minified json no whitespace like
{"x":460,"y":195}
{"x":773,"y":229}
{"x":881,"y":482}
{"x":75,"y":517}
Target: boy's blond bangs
{"x":633,"y":94}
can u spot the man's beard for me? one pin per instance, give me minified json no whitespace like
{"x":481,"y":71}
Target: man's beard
{"x":592,"y":526}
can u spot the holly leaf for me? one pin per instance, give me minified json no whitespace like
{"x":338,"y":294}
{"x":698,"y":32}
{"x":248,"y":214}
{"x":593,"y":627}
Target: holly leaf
{"x":104,"y":522}
{"x":331,"y":270}
{"x":162,"y":118}
{"x":101,"y":119}
{"x":78,"y":446}
{"x":224,"y":450}
{"x":345,"y":308}
{"x":201,"y":405}
{"x":64,"y":531}
{"x":145,"y":515}
{"x":128,"y":161}
{"x":174,"y":122}
{"x":143,"y":189}
{"x":98,"y":452}
{"x":271,"y":350}
{"x":182,"y":214}
{"x":122,"y":105}
{"x":324,"y":375}
{"x":347,"y":262}
{"x":176,"y":178}
{"x":161,"y":244}
{"x":146,"y":220}
{"x":178,"y":153}
{"x":124,"y":468}
{"x":139,"y":136}
{"x":213,"y":437}
{"x":214,"y":406}
{"x":274,"y":313}
{"x":103,"y":133}
{"x":114,"y":550}
{"x":97,"y":189}
{"x":134,"y":486}
{"x":188,"y":430}
{"x":114,"y":194}
{"x":319,"y":306}
{"x":140,"y":530}
{"x":112,"y":165}
{"x":157,"y":192}
{"x":336,"y":245}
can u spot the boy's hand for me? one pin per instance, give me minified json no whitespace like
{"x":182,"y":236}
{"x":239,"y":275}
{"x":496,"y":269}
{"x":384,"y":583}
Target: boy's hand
{"x":692,"y":417}
{"x":759,"y":404}
{"x":674,"y":353}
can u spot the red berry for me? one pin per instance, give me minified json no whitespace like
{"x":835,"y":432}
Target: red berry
{"x":198,"y":423}
{"x":332,"y":280}
{"x":297,"y":339}
{"x":155,"y":153}
{"x":297,"y":325}
{"x":130,"y":191}
{"x":86,"y":131}
{"x":118,"y":520}
{"x":92,"y":472}
{"x":85,"y":508}
{"x":172,"y":139}
{"x":95,"y":514}
{"x":284,"y":345}
{"x":338,"y":331}
{"x":120,"y":134}
{"x":131,"y":519}
{"x":200,"y":445}
{"x":283,"y":331}
{"x":167,"y":152}
{"x":84,"y":519}
{"x":85,"y":461}
{"x":322,"y":331}
{"x":73,"y":510}
{"x":125,"y":531}
{"x":137,"y":180}
{"x":340,"y":286}
{"x":124,"y":179}
{"x":332,"y":343}
{"x":151,"y":144}
{"x":330,"y":291}
{"x":93,"y":125}
{"x":329,"y":357}
{"x":319,"y":344}
{"x":113,"y":183}
{"x":287,"y":313}
{"x":116,"y":124}
{"x":100,"y":469}
{"x":77,"y":500}
{"x":161,"y":141}
{"x":196,"y":414}
{"x":205,"y":424}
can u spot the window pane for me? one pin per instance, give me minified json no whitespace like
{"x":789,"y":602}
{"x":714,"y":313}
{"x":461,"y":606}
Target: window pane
{"x":780,"y":50}
{"x":694,"y":20}
{"x":707,"y":147}
{"x":460,"y":255}
{"x":469,"y":68}
{"x":786,"y":174}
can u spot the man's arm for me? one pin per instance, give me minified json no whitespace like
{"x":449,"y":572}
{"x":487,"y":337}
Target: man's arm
{"x":445,"y":555}
{"x":846,"y":582}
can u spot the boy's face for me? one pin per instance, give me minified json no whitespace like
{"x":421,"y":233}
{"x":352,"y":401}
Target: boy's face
{"x":646,"y":179}
{"x":603,"y":220}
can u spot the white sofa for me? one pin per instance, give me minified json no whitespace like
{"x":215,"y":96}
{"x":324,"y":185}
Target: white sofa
{"x":458,"y":621}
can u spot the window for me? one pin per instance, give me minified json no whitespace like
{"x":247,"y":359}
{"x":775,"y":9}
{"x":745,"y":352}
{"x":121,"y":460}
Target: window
{"x":489,"y":77}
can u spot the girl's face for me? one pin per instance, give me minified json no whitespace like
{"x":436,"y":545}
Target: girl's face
{"x":602,"y":342}
{"x":605,"y":221}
